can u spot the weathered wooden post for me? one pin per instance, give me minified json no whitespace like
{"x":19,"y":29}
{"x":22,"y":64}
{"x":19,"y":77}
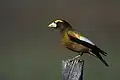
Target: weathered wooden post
{"x":72,"y":69}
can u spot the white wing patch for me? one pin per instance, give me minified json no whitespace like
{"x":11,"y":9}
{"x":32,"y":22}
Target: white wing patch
{"x":86,"y":40}
{"x":83,"y":39}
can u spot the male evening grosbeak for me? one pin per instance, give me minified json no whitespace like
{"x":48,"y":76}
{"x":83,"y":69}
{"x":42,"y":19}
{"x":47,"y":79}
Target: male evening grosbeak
{"x":75,"y":41}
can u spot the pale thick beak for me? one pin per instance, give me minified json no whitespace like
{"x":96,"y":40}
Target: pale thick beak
{"x":52,"y":25}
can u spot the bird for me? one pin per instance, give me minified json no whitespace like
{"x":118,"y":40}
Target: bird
{"x":76,"y":42}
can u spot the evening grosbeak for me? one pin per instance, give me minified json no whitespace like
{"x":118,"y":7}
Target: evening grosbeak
{"x":74,"y":41}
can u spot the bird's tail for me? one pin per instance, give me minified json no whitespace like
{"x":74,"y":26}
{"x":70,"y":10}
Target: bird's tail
{"x":97,"y":52}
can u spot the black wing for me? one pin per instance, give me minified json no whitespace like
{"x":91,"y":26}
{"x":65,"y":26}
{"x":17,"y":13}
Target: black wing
{"x":94,"y":49}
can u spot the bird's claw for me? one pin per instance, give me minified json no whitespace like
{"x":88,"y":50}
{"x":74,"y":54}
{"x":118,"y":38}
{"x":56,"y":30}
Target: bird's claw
{"x":74,"y":58}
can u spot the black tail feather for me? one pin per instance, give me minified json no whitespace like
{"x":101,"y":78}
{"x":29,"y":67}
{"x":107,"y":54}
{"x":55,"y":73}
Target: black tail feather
{"x":99,"y":56}
{"x":99,"y":50}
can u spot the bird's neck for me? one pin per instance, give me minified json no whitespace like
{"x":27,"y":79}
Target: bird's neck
{"x":63,"y":31}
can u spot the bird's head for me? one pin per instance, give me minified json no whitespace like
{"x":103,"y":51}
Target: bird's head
{"x":59,"y":24}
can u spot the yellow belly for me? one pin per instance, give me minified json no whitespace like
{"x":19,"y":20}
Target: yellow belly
{"x":72,"y":45}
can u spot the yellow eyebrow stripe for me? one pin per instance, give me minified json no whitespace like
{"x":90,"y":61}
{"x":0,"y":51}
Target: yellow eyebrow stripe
{"x":58,"y":21}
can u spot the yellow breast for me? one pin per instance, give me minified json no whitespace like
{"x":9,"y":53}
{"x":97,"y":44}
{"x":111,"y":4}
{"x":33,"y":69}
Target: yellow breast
{"x":65,"y":39}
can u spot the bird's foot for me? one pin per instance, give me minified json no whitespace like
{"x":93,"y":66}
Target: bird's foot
{"x":75,"y":58}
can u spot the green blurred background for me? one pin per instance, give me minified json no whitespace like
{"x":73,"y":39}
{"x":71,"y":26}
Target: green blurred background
{"x":31,"y":51}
